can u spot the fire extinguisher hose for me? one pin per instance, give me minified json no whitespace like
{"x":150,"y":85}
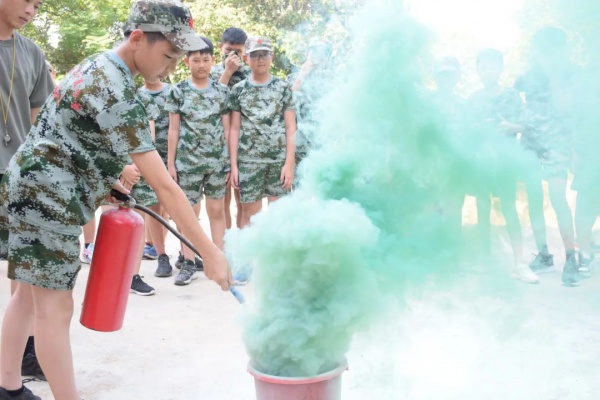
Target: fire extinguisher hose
{"x":130,"y":201}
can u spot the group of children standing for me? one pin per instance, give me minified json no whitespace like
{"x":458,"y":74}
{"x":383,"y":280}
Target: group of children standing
{"x":525,"y":134}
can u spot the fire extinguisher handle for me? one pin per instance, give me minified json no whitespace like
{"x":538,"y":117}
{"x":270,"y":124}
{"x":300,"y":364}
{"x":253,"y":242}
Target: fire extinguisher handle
{"x":120,"y":196}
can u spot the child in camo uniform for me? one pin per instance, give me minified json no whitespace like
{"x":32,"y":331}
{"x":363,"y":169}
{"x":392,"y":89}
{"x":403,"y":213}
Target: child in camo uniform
{"x":263,"y":125}
{"x":158,"y":93}
{"x":197,"y":156}
{"x":69,"y":162}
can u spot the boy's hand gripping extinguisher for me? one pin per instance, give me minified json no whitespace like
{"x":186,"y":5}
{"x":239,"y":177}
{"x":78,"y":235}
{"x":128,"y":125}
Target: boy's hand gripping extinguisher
{"x":116,"y":254}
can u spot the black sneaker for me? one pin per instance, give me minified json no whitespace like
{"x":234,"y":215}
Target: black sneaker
{"x":164,"y":268}
{"x":542,"y":264}
{"x":138,"y":286}
{"x":570,"y":275}
{"x":31,"y":367}
{"x":25,"y":395}
{"x":585,"y":266}
{"x":198,"y":261}
{"x":187,"y":273}
{"x":180,"y":261}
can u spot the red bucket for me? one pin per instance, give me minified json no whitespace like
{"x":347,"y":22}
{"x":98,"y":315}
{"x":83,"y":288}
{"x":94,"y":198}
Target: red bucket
{"x":326,"y":386}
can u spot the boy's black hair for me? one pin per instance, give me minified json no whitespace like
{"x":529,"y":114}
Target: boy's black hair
{"x":209,"y":49}
{"x":151,"y":37}
{"x":234,"y":36}
{"x":491,"y":55}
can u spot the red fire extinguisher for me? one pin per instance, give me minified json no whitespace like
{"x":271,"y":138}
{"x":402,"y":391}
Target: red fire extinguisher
{"x":116,"y":253}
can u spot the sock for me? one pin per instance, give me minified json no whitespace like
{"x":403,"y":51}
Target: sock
{"x":87,"y":245}
{"x":15,"y":393}
{"x":544,"y":250}
{"x":30,"y":346}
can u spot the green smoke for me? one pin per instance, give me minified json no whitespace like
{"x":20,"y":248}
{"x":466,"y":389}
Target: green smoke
{"x":378,"y":208}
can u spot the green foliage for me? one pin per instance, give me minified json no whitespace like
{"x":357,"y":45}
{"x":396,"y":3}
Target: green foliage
{"x":70,"y":30}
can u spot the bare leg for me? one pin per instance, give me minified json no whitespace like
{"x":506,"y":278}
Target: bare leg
{"x":558,"y":196}
{"x":141,"y":246}
{"x":187,"y":252}
{"x":155,"y":230}
{"x":89,"y":231}
{"x":53,"y":313}
{"x":249,"y":210}
{"x":585,"y":217}
{"x":240,"y":209}
{"x":216,"y":216}
{"x":513,"y":226}
{"x":227,"y":205}
{"x":535,"y":200}
{"x":16,"y":327}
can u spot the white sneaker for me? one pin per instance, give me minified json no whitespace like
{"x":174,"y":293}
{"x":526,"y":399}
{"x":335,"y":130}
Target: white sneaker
{"x":86,"y":255}
{"x":524,"y":274}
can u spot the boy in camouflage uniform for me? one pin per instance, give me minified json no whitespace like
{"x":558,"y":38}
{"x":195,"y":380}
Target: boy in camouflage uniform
{"x":231,"y":71}
{"x":69,"y":162}
{"x":309,"y":84}
{"x":262,"y":134}
{"x":155,"y":232}
{"x":25,"y":83}
{"x":197,"y":153}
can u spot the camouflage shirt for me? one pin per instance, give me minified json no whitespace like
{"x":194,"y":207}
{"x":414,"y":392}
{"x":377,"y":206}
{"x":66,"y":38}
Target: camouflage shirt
{"x":313,"y":87}
{"x":201,"y":134}
{"x":236,"y":78}
{"x":80,"y":144}
{"x":149,"y":104}
{"x":161,"y":123}
{"x":262,"y":107}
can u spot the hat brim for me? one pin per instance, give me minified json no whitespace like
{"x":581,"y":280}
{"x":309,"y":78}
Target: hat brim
{"x":258,"y":48}
{"x":186,"y":41}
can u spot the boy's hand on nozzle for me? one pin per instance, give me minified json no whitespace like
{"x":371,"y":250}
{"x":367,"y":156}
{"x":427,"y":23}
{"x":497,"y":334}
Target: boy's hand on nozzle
{"x":173,"y":172}
{"x":217,"y":269}
{"x":118,"y":186}
{"x":287,"y":176}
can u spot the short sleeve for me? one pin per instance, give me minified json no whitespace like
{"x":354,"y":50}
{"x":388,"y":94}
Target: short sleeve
{"x":151,"y":106}
{"x":225,"y":93}
{"x":43,"y":85}
{"x":234,"y":99}
{"x":174,"y":100}
{"x":126,"y":126}
{"x":288,"y":98}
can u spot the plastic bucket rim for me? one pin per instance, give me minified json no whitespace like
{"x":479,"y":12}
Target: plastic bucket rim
{"x":282,"y":380}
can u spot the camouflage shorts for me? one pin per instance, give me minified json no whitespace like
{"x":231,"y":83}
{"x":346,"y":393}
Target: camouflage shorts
{"x":260,"y":180}
{"x":206,"y":181}
{"x":3,"y":232}
{"x":42,"y":258}
{"x":143,"y":194}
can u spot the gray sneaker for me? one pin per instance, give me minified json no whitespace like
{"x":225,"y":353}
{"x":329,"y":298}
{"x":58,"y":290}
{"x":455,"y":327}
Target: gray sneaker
{"x":25,"y":395}
{"x":164,"y":268}
{"x":187,"y":273}
{"x":138,"y":286}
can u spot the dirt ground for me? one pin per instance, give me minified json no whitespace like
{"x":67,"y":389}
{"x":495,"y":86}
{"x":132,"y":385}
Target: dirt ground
{"x":520,"y":342}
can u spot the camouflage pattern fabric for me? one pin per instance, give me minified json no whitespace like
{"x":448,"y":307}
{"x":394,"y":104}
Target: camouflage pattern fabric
{"x":202,"y":141}
{"x":238,"y":76}
{"x":149,"y":104}
{"x":262,"y":107}
{"x":169,"y":17}
{"x":260,"y":180}
{"x":161,"y":123}
{"x":256,"y":43}
{"x":143,"y":194}
{"x":42,"y":258}
{"x":547,"y":120}
{"x":205,"y":181}
{"x":314,"y":86}
{"x":78,"y":148}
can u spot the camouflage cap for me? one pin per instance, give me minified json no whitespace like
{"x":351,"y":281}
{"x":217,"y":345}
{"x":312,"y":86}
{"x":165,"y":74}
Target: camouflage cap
{"x":169,"y":17}
{"x":256,"y":43}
